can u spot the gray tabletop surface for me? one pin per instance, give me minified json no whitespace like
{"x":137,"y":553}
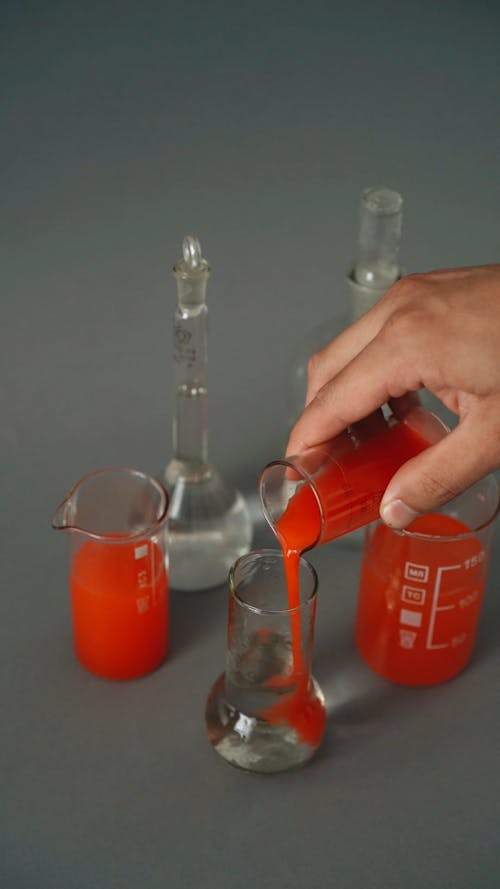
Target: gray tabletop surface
{"x":124,"y":127}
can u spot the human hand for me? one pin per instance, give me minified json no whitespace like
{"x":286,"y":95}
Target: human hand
{"x":440,"y":331}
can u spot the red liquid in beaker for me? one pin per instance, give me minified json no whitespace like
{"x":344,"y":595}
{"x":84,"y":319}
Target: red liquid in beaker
{"x":364,"y":462}
{"x":419,"y":601}
{"x":119,"y":598}
{"x":350,"y":484}
{"x":366,"y":471}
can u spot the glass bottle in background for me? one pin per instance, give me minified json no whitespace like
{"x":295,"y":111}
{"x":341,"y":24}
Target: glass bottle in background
{"x":208,"y":525}
{"x":375,"y":269}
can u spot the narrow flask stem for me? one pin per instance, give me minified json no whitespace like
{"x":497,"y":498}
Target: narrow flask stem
{"x":190,"y":423}
{"x":379,"y":237}
{"x":376,"y":267}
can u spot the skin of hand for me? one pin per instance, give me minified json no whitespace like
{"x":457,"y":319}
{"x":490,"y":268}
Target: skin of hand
{"x":441,"y":331}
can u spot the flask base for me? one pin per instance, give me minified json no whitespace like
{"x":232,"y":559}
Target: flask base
{"x":251,"y":742}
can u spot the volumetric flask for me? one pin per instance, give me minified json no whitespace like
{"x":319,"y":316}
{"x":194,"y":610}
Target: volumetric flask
{"x":266,"y":712}
{"x":117,"y":578}
{"x":421,"y":589}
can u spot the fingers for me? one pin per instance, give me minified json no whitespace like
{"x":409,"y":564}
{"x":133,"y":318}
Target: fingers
{"x":403,"y":406}
{"x":327,"y":363}
{"x":378,"y":373}
{"x":446,"y":469}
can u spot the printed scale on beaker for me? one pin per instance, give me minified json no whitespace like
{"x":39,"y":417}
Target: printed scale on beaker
{"x":208,"y":521}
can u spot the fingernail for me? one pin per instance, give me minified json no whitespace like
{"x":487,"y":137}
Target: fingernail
{"x":397,"y":514}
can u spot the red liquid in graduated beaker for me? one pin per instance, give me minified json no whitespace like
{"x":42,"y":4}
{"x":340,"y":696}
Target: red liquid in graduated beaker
{"x":420,"y":597}
{"x":119,"y":607}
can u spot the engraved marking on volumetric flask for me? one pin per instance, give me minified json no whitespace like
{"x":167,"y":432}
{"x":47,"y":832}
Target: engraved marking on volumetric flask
{"x":182,"y":336}
{"x":183,"y":352}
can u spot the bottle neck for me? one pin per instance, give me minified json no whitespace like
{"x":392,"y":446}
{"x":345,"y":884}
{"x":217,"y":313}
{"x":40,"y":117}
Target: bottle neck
{"x":190,"y":424}
{"x":361,"y":297}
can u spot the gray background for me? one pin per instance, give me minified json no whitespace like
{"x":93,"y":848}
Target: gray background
{"x":125,"y":126}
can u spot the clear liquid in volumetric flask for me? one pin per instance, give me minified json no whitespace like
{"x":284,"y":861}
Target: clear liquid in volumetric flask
{"x":208,"y":525}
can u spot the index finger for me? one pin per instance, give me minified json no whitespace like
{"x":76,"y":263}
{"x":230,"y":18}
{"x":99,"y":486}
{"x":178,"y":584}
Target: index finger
{"x":380,"y":372}
{"x":327,"y":363}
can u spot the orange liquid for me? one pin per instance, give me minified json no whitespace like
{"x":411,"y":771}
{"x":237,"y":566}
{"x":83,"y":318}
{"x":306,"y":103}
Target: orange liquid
{"x":419,"y":602}
{"x":119,"y":598}
{"x":350,"y":488}
{"x":300,"y":708}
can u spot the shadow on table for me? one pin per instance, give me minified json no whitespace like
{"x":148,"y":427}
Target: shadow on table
{"x":194,"y":616}
{"x":358,"y":700}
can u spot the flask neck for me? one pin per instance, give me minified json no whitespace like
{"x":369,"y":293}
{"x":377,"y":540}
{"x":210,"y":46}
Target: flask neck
{"x":376,"y":267}
{"x":190,"y":422}
{"x":363,"y":297}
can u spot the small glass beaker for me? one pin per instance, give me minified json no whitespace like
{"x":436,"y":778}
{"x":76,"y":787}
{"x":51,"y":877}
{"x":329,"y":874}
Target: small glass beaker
{"x":421,"y":589}
{"x":117,"y":577}
{"x":266,"y":713}
{"x":336,"y":487}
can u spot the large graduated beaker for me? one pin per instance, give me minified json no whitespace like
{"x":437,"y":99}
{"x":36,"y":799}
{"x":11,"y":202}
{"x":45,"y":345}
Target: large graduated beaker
{"x":117,"y":577}
{"x":421,"y":589}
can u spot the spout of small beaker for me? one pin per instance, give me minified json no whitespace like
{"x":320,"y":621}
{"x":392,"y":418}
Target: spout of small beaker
{"x":113,"y":504}
{"x":63,"y":518}
{"x":289,"y":501}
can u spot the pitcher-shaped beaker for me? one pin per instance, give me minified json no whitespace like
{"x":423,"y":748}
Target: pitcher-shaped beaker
{"x":117,"y":577}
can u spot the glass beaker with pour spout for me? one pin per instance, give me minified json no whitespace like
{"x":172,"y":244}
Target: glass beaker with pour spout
{"x":117,"y":577}
{"x":338,"y":486}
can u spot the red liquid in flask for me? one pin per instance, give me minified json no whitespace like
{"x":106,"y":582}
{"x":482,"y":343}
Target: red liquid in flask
{"x":119,"y":599}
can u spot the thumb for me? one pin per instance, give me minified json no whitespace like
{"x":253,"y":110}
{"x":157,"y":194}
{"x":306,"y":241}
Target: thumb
{"x":439,"y":473}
